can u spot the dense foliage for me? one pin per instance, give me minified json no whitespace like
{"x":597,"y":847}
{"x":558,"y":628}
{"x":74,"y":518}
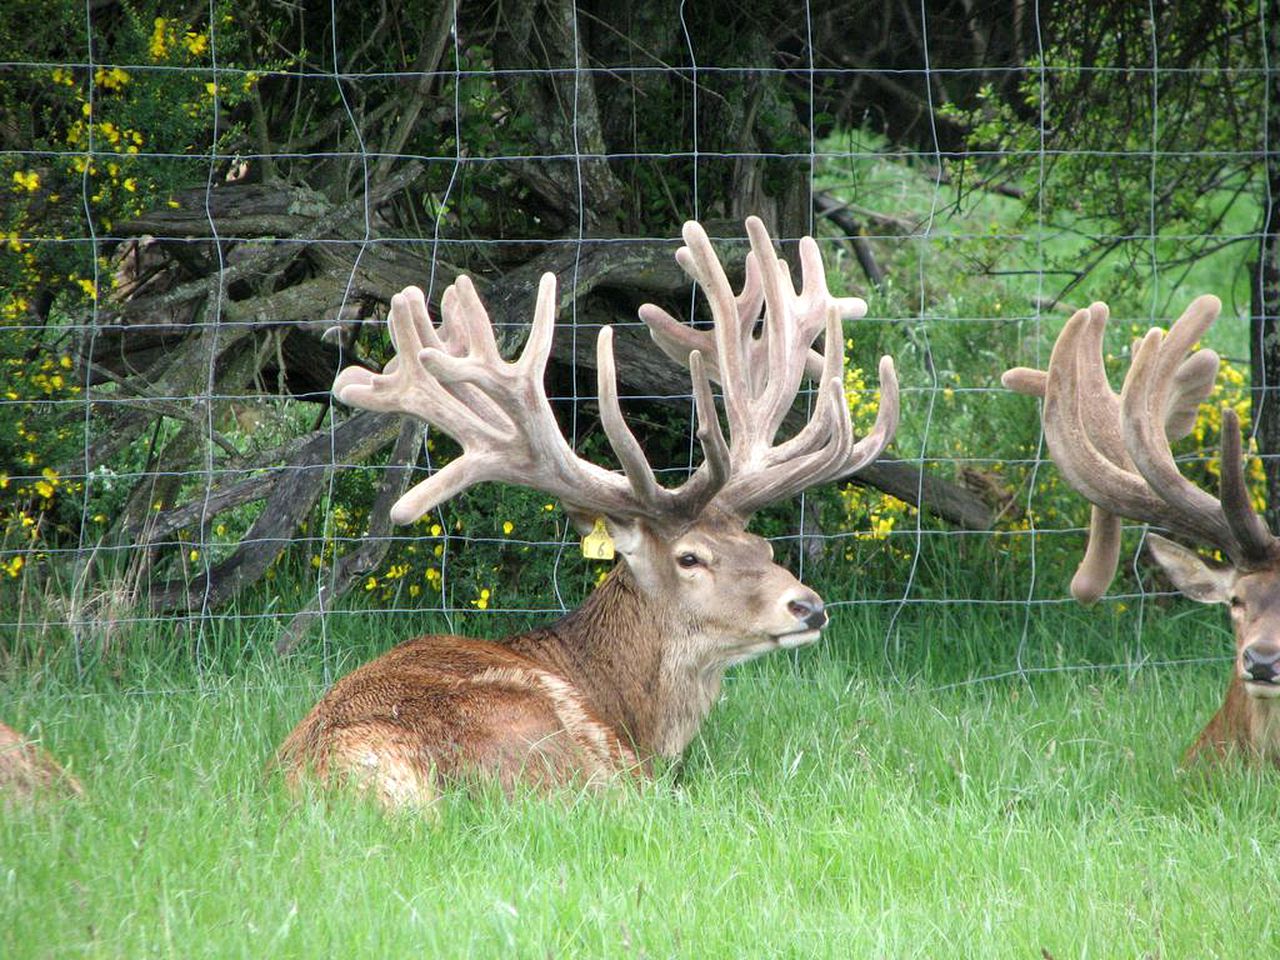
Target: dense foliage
{"x":191,"y":200}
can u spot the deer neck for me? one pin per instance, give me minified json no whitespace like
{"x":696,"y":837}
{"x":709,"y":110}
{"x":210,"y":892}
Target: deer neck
{"x":1246,"y":723}
{"x":1263,"y":723}
{"x":631,"y":658}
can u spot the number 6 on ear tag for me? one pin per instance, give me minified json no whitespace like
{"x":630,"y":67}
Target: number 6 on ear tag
{"x":598,"y":545}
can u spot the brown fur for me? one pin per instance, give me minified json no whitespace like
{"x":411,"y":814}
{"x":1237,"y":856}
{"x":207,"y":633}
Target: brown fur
{"x":1244,"y":727}
{"x":631,"y":674}
{"x":451,"y":706}
{"x":1247,"y":725}
{"x":28,"y":772}
{"x":626,"y":677}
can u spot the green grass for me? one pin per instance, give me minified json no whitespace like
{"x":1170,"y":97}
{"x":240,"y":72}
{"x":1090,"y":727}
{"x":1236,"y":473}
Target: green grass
{"x":860,"y":799}
{"x":839,"y":803}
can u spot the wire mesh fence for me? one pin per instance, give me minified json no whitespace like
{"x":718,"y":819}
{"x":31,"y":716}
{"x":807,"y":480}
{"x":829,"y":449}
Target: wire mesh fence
{"x":207,"y":214}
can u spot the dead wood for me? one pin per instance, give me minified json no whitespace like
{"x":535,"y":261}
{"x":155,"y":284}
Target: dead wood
{"x":289,"y":502}
{"x":352,"y":567}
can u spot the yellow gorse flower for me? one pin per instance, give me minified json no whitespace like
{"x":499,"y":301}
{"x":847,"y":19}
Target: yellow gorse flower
{"x":160,"y":39}
{"x":114,"y":79}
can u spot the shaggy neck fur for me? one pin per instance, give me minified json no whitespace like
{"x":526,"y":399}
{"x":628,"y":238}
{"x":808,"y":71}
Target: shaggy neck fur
{"x":1244,"y":724}
{"x":635,"y":660}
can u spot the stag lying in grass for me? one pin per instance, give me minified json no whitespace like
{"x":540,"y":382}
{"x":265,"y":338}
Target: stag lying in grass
{"x":27,"y":772}
{"x":629,"y":675}
{"x":1114,"y":450}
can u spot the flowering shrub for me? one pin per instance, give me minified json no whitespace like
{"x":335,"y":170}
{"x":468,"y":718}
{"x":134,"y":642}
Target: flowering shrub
{"x":106,"y":144}
{"x":42,"y":427}
{"x":102,"y":144}
{"x":866,"y":513}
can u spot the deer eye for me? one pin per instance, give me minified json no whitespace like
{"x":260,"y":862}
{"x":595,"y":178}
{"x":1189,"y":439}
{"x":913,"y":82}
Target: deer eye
{"x":1237,"y":603}
{"x":688,"y":560}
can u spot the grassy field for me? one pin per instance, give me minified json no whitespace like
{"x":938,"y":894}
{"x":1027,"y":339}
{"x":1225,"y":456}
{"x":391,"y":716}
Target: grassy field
{"x":901,"y":790}
{"x":841,"y":802}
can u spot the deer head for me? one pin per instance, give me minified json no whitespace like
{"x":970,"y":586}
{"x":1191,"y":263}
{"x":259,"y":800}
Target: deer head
{"x":1114,"y":450}
{"x":705,"y":589}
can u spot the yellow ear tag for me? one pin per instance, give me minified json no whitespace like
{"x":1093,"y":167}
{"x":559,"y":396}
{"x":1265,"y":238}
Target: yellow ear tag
{"x":598,"y":545}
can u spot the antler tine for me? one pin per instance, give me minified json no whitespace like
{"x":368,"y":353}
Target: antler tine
{"x":462,"y":311}
{"x":1257,"y":544}
{"x":1101,"y":416}
{"x":714,"y":446}
{"x":1097,"y":567}
{"x":677,"y":340}
{"x":699,"y":260}
{"x":690,"y":498}
{"x":714,"y":471}
{"x":1102,"y":481}
{"x":784,"y":324}
{"x":634,"y":465}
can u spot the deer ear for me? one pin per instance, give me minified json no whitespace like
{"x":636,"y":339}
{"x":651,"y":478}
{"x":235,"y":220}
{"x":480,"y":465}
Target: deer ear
{"x":1189,"y":573}
{"x":626,"y":534}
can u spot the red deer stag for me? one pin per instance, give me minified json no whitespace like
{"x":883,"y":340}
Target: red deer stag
{"x":1114,"y":450}
{"x":629,"y":675}
{"x":27,"y":772}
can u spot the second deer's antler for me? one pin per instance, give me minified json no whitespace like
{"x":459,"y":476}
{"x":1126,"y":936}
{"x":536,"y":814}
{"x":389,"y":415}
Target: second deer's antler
{"x":1114,"y":449}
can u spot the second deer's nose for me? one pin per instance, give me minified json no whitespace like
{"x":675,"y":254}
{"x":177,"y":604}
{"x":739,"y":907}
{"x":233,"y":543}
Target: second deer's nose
{"x":1261,"y":664}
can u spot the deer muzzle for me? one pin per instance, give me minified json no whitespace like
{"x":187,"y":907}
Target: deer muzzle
{"x":810,"y":615}
{"x":1260,"y":668}
{"x":811,"y":612}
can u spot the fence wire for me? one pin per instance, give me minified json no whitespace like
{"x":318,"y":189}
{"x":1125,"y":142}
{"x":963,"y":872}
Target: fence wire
{"x":962,"y":245}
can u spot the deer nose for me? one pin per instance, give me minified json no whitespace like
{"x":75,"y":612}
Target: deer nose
{"x":1261,"y":663}
{"x":809,"y":609}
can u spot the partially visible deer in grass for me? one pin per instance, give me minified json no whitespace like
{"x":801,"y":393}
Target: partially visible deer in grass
{"x":630,"y":675}
{"x":28,"y":773}
{"x":1114,"y":450}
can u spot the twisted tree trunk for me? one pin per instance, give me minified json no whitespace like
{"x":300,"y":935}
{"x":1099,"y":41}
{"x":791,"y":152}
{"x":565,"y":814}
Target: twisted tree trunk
{"x":1264,"y":334}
